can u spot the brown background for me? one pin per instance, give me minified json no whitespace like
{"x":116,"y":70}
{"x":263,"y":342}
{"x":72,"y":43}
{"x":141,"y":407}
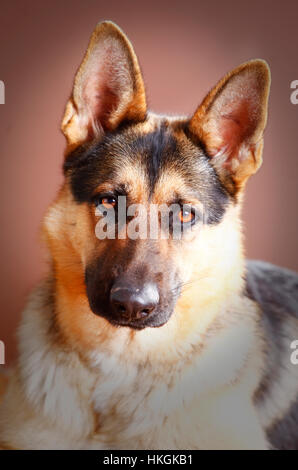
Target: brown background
{"x":184,"y":48}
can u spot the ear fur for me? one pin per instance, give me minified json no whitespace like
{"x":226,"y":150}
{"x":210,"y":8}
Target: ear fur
{"x":231,"y":120}
{"x":108,"y":87}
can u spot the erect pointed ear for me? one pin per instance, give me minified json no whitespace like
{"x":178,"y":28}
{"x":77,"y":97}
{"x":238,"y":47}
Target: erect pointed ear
{"x":231,"y":120}
{"x":108,"y":87}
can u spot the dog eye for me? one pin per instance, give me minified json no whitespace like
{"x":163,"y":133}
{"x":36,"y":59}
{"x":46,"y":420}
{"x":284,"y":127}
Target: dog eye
{"x":186,"y":215}
{"x":109,"y":202}
{"x":106,"y":202}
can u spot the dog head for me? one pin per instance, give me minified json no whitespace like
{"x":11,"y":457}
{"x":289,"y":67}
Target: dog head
{"x":117,"y":151}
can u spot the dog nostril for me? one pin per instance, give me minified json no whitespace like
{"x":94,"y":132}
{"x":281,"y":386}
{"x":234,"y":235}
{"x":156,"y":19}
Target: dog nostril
{"x":132,"y":303}
{"x":122,"y":309}
{"x":144,"y":313}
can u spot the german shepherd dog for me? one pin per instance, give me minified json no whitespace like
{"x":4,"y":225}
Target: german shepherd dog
{"x":155,"y":343}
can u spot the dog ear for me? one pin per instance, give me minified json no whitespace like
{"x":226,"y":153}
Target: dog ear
{"x":108,"y":87}
{"x":231,"y":120}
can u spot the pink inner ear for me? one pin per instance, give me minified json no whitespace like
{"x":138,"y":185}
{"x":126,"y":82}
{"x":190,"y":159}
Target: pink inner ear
{"x":232,"y":118}
{"x":235,"y":126}
{"x":236,"y":122}
{"x":105,"y":81}
{"x":101,"y":98}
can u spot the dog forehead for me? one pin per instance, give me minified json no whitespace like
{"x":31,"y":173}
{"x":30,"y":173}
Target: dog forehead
{"x":162,"y":159}
{"x":157,"y":163}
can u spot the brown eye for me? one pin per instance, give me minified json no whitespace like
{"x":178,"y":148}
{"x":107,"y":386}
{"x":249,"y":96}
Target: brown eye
{"x":186,"y":216}
{"x":108,"y":202}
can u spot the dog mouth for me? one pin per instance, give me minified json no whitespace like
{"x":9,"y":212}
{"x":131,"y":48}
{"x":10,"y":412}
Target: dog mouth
{"x":155,"y":321}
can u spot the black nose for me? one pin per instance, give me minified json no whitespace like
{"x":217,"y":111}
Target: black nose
{"x":133,"y":303}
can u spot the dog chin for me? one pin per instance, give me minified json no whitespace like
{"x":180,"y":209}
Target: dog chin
{"x":156,"y":321}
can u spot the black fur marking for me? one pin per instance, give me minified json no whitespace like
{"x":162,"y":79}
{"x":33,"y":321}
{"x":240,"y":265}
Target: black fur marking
{"x":99,"y":162}
{"x":283,"y":435}
{"x":158,"y":148}
{"x":275,"y":290}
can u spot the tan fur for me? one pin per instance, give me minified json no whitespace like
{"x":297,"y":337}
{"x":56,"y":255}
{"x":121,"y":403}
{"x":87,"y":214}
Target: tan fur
{"x":124,"y":419}
{"x":82,"y":382}
{"x":87,"y":347}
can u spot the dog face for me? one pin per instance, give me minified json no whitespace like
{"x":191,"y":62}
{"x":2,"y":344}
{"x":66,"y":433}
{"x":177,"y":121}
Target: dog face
{"x":118,"y":151}
{"x":148,"y":169}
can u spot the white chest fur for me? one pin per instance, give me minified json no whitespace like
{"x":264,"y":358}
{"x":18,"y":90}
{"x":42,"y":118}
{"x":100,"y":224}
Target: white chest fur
{"x":113,"y":402}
